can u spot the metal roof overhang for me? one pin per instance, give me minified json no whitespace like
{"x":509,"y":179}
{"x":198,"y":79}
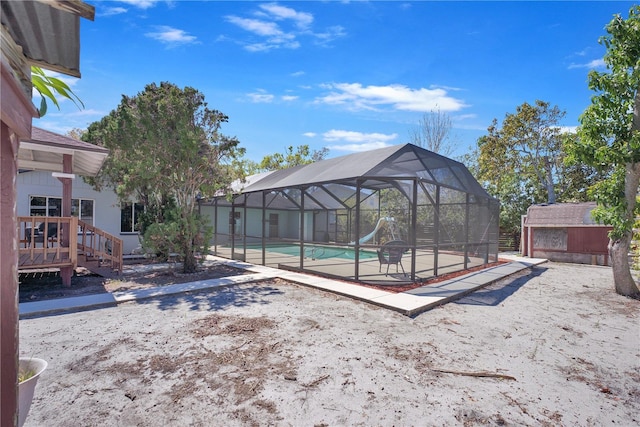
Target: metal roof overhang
{"x":48,"y":31}
{"x":45,"y":152}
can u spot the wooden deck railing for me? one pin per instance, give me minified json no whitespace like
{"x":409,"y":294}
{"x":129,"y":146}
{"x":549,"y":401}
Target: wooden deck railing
{"x":98,"y":245}
{"x":46,"y":242}
{"x":54,"y":242}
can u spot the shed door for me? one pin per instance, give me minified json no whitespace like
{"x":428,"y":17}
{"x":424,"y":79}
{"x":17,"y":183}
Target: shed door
{"x":588,"y":240}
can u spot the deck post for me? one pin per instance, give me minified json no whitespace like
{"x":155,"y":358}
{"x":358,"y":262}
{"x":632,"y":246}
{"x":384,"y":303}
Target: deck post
{"x":16,"y":111}
{"x":302,"y":190}
{"x":414,"y":226}
{"x":264,"y":227}
{"x":67,"y":167}
{"x":356,"y":266}
{"x":8,"y":276}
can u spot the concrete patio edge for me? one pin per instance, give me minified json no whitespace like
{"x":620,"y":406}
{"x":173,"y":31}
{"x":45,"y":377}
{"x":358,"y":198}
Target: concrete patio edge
{"x":409,"y":303}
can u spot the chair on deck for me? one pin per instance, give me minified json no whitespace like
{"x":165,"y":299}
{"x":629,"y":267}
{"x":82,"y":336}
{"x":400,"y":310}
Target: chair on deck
{"x":391,"y":253}
{"x":38,"y":234}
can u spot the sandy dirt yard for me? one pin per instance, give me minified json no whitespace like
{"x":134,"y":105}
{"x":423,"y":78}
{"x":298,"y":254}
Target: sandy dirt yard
{"x":553,"y":346}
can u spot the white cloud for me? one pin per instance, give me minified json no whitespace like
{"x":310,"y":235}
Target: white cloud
{"x":289,"y":97}
{"x":568,"y":129}
{"x":272,"y":44}
{"x":357,"y":141}
{"x":329,"y":35}
{"x":172,"y":36}
{"x":596,"y":63}
{"x":298,"y":74}
{"x":355,"y":96}
{"x":352,"y":136}
{"x":87,"y":112}
{"x":261,"y":97}
{"x":280,"y":27}
{"x":111,"y":11}
{"x":358,"y":147}
{"x":274,"y":36}
{"x":256,"y":26}
{"x":462,"y":117}
{"x":301,"y":19}
{"x":141,"y":4}
{"x":310,"y":134}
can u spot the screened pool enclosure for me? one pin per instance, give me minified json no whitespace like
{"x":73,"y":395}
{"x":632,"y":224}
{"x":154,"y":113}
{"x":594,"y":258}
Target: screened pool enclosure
{"x":394,"y":215}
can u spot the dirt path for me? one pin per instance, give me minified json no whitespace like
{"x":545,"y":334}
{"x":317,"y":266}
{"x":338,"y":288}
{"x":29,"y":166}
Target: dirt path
{"x":555,"y":347}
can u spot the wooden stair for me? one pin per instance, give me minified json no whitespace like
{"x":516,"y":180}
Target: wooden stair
{"x":96,"y":266}
{"x":72,"y":243}
{"x":99,"y":251}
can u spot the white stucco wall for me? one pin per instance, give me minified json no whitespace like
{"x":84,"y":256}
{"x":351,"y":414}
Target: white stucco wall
{"x":105,"y":205}
{"x":288,"y":222}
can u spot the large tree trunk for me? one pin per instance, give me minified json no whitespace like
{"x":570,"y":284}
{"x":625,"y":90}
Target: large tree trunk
{"x":549,"y":184}
{"x":189,"y":264}
{"x":619,"y":249}
{"x":619,"y":252}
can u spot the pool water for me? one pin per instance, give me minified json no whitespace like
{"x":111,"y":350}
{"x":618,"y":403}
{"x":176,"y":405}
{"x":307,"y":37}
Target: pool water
{"x":316,"y":251}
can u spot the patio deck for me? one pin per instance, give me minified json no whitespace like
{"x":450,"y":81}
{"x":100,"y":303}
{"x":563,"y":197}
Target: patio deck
{"x":369,"y":269}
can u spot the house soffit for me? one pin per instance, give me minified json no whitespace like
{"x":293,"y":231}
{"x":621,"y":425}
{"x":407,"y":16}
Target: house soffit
{"x":46,"y":150}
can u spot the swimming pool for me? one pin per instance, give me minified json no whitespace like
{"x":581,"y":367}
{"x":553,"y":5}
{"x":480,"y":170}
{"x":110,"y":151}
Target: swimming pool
{"x":316,"y":251}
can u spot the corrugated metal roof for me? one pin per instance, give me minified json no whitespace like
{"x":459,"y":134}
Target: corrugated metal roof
{"x":48,"y":31}
{"x":396,"y":162}
{"x":561,"y":215}
{"x":45,"y":151}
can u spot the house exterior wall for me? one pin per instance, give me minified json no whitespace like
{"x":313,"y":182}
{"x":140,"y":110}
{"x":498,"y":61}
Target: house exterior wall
{"x":106,"y":206}
{"x":288,"y":223}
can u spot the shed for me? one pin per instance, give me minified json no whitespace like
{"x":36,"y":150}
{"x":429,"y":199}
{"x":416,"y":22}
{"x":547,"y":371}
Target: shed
{"x":565,"y":232}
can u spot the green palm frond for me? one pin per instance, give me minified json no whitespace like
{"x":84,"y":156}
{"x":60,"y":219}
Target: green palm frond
{"x":50,"y":87}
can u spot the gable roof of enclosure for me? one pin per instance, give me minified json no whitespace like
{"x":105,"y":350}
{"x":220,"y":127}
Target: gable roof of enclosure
{"x":374,"y":169}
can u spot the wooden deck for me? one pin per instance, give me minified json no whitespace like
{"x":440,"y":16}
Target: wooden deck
{"x":55,"y":242}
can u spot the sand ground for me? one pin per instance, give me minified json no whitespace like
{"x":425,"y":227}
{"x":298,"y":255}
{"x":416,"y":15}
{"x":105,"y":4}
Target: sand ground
{"x":552,"y":346}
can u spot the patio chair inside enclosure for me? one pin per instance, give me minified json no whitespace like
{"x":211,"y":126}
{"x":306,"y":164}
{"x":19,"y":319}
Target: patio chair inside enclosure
{"x":391,"y":253}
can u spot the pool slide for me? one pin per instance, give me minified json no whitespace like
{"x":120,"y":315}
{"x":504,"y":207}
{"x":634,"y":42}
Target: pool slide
{"x":370,"y":236}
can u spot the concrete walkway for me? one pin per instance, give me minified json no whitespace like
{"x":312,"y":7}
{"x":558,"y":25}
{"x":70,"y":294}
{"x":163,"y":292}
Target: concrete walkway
{"x":409,"y":303}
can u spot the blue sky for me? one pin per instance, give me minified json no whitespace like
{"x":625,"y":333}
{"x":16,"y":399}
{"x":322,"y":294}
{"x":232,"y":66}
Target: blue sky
{"x":349,"y":76}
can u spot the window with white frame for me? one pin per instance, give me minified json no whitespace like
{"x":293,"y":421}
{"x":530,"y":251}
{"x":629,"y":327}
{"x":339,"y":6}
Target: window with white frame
{"x":52,"y":206}
{"x":129,"y":215}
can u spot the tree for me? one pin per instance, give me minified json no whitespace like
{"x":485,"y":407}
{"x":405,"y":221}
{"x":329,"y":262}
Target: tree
{"x":577,"y":178}
{"x":529,"y":144}
{"x":301,"y":156}
{"x":76,"y":133}
{"x":433,"y":133}
{"x":609,"y":139}
{"x":167,"y":151}
{"x":522,"y":163}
